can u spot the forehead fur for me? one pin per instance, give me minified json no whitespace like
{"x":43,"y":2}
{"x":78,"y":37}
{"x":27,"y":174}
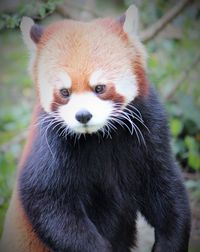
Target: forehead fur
{"x":84,"y":47}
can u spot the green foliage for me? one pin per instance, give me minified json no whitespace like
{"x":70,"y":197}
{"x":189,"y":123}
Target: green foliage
{"x":194,"y":186}
{"x":35,"y":9}
{"x":47,"y":8}
{"x":185,"y":129}
{"x":176,"y":127}
{"x":193,"y":152}
{"x":169,"y":58}
{"x":7,"y":174}
{"x":9,"y":21}
{"x":15,"y":112}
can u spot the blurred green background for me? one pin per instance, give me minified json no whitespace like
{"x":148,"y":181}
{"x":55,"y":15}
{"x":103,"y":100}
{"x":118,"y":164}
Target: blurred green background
{"x":173,"y":67}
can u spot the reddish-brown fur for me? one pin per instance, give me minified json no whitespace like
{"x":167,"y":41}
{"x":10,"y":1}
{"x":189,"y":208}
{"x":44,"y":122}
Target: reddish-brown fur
{"x":141,"y":77}
{"x":75,"y":48}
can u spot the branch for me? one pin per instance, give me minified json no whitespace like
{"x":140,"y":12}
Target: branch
{"x":156,"y":28}
{"x":66,"y":10}
{"x":183,"y":77}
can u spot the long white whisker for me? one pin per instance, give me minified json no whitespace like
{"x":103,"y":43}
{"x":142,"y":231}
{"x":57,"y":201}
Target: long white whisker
{"x":130,"y":106}
{"x":138,"y":119}
{"x":108,"y":131}
{"x":120,"y":122}
{"x":133,"y":113}
{"x":127,"y":116}
{"x":142,"y":137}
{"x":46,"y":131}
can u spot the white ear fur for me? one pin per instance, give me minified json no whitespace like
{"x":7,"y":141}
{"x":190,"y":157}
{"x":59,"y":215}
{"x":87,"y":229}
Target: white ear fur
{"x":131,"y":24}
{"x":25,"y":26}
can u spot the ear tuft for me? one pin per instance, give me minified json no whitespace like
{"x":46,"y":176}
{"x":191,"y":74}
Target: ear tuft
{"x":131,"y":24}
{"x":25,"y":26}
{"x":31,"y":33}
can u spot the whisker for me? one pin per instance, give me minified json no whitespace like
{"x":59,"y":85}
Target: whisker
{"x":46,"y":132}
{"x":112,"y":126}
{"x":142,"y":137}
{"x":120,"y":122}
{"x":126,"y":117}
{"x":131,"y":106}
{"x":134,"y":128}
{"x":138,"y":119}
{"x":108,"y":131}
{"x":133,"y":113}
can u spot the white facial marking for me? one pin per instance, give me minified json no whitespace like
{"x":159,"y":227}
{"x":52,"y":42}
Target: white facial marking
{"x":46,"y":90}
{"x":62,"y":80}
{"x":99,"y":109}
{"x":97,"y":77}
{"x":126,"y":85}
{"x":49,"y":80}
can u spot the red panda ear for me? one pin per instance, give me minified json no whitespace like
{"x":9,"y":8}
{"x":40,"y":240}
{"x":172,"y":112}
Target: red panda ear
{"x":31,"y":33}
{"x":130,"y":21}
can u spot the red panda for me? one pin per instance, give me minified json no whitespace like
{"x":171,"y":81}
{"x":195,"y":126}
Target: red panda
{"x":99,"y":150}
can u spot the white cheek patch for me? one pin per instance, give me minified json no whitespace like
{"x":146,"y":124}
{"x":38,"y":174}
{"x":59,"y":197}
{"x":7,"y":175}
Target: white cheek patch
{"x":45,"y":89}
{"x":126,"y":85}
{"x":99,"y":109}
{"x":49,"y":80}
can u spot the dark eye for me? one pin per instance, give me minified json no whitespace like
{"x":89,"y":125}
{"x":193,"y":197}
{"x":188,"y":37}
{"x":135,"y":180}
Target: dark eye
{"x":100,"y":89}
{"x":65,"y":92}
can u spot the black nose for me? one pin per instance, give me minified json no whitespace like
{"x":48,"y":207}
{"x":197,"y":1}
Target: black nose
{"x":83,"y":116}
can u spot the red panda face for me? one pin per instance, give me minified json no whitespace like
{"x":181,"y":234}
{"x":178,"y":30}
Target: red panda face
{"x":86,"y":72}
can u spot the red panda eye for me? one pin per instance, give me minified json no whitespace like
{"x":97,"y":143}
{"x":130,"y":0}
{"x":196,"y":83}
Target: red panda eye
{"x":65,"y":92}
{"x":100,"y":89}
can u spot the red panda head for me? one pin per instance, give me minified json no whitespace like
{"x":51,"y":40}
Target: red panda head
{"x":86,"y":72}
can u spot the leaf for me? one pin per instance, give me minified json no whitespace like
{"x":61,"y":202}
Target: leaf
{"x":191,"y":144}
{"x":191,"y":112}
{"x":194,"y":160}
{"x":193,"y":152}
{"x":176,"y":127}
{"x":42,"y":10}
{"x":178,"y":147}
